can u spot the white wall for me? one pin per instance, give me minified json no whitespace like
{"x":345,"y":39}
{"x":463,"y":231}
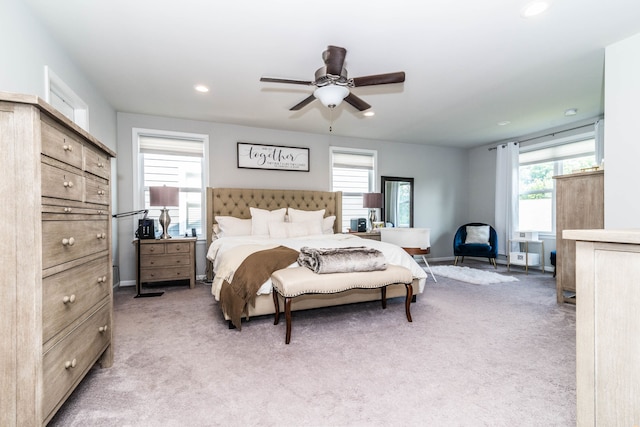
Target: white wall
{"x":27,"y":48}
{"x":622,"y":131}
{"x":440,"y":174}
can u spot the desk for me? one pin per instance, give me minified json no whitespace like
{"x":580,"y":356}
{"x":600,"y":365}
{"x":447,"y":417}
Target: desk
{"x":526,"y":258}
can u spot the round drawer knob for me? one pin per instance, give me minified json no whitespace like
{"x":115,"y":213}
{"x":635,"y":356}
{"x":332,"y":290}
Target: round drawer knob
{"x":68,"y":184}
{"x":69,"y":299}
{"x":101,"y":236}
{"x":102,"y":279}
{"x":103,"y":329}
{"x":100,"y":164}
{"x":67,"y":147}
{"x":100,"y":192}
{"x":68,"y":242}
{"x":70,"y":364}
{"x":67,"y":210}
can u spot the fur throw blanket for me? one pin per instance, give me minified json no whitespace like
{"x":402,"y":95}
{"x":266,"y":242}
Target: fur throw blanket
{"x":342,"y":260}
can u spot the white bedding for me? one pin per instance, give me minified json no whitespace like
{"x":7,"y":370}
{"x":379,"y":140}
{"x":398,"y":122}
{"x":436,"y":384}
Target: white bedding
{"x":227,"y":253}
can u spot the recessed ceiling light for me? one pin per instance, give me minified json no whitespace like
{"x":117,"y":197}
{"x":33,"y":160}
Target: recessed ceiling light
{"x":201,"y":88}
{"x":369,"y":113}
{"x":504,"y":123}
{"x":534,"y":8}
{"x":571,"y":112}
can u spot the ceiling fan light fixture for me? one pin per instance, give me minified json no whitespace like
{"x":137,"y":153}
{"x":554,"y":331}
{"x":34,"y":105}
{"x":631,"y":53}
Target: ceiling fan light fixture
{"x":534,"y":8}
{"x":331,"y":95}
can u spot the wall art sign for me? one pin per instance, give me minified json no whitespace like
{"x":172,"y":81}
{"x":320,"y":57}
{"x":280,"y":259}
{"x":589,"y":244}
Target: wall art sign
{"x":278,"y":157}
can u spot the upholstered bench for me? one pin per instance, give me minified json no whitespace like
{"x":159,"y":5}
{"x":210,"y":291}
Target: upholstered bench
{"x":293,"y":282}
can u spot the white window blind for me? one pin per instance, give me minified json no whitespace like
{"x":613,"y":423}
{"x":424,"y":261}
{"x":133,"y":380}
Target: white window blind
{"x":353,"y":173}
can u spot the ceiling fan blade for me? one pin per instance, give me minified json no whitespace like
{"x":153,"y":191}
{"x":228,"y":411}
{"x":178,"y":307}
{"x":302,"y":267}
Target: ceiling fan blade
{"x":379,"y":79}
{"x":295,"y":82}
{"x":334,"y":59}
{"x":357,"y":102}
{"x":302,"y":103}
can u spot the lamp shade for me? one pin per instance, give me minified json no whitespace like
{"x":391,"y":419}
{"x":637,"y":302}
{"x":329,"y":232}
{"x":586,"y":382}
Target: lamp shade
{"x":372,"y":200}
{"x":163,"y":196}
{"x":331,"y":95}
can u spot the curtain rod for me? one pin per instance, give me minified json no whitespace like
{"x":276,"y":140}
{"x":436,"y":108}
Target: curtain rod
{"x":542,"y":136}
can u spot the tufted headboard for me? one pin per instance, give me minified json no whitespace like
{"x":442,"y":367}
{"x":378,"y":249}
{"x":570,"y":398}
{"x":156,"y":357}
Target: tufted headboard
{"x":236,"y":202}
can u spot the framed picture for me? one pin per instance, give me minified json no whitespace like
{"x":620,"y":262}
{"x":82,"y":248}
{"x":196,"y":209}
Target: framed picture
{"x":278,"y":157}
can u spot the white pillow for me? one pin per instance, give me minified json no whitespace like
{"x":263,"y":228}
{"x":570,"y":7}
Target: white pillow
{"x":282,"y":230}
{"x":232,"y":226}
{"x":297,"y":215}
{"x":260,"y":219}
{"x":477,"y":234}
{"x":327,"y":224}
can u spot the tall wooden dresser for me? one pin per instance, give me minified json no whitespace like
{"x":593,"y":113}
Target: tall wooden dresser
{"x":579,"y":205}
{"x":56,"y":286}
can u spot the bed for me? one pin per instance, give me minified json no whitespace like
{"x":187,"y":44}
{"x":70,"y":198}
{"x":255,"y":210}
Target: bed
{"x":232,"y":233}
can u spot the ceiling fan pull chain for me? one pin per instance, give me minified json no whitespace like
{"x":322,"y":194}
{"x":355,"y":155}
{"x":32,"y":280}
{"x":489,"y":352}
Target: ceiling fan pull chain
{"x":330,"y":119}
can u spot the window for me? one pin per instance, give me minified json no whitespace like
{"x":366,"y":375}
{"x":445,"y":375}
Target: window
{"x":538,"y":166}
{"x":352,"y":172}
{"x":175,"y":160}
{"x":65,"y":100}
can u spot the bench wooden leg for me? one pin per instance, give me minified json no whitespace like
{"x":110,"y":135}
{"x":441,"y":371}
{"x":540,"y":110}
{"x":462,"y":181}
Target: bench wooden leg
{"x":276,"y":304}
{"x":287,"y":313}
{"x":383,"y":297}
{"x":407,"y":302}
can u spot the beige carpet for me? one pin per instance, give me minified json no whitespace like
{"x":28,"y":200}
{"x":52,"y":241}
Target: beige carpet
{"x":494,"y":355}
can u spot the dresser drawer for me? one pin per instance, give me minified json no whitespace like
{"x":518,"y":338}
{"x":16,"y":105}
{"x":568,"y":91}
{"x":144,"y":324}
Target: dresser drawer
{"x":64,"y":241}
{"x":66,"y":362}
{"x":165,"y":260}
{"x":67,"y":295}
{"x":60,"y":145}
{"x":96,"y":191}
{"x":96,"y":163}
{"x":165,"y":273}
{"x":61,"y":184}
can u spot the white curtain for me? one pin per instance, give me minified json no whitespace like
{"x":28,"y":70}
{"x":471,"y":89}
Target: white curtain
{"x":507,"y":191}
{"x":599,"y":136}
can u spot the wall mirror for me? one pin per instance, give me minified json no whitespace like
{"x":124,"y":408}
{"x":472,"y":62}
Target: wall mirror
{"x":397,"y":207}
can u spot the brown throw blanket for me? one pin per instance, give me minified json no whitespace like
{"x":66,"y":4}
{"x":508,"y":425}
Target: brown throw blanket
{"x":342,"y":260}
{"x":250,"y":275}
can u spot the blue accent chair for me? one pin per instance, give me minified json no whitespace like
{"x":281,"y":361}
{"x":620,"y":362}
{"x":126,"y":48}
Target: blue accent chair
{"x":480,"y":250}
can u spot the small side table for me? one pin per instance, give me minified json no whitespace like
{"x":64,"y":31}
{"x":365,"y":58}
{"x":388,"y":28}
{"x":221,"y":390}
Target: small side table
{"x":367,"y":235}
{"x":524,"y":258}
{"x":164,"y":260}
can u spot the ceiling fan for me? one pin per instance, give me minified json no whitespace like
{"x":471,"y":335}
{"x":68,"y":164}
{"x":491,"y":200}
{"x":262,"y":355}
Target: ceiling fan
{"x":332,"y":82}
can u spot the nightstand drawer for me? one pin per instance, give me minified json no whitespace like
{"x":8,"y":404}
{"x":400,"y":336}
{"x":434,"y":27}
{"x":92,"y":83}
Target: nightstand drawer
{"x":163,"y":274}
{"x":67,"y":295}
{"x":176,"y":248}
{"x":70,"y":358}
{"x":167,"y":260}
{"x":151,"y":248}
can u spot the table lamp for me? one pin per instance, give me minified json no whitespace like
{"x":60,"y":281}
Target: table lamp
{"x":372,"y":201}
{"x":164,"y":196}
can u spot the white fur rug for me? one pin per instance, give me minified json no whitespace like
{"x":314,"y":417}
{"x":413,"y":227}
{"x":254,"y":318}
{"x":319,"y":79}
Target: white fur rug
{"x":471,"y":275}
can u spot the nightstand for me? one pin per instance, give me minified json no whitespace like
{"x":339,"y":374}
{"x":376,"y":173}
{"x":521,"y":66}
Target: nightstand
{"x":367,"y":235}
{"x":166,"y":260}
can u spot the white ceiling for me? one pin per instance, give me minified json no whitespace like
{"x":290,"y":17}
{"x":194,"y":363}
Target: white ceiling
{"x":469,"y":64}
